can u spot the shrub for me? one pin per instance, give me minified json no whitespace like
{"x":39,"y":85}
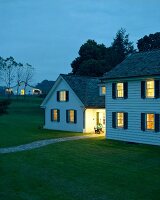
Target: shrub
{"x":3,"y":106}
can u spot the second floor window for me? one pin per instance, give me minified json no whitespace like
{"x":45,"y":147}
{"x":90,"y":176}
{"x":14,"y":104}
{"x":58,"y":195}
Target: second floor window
{"x":120,"y":90}
{"x":150,"y":88}
{"x":62,"y":95}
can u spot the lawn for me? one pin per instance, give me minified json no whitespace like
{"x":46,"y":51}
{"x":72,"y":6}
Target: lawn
{"x":91,"y":169}
{"x":24,"y":123}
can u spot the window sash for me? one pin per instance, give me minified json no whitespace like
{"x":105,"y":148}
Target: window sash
{"x":150,"y":122}
{"x":62,"y":95}
{"x":55,"y":115}
{"x":120,"y":90}
{"x":71,"y":116}
{"x":120,"y":120}
{"x":103,"y":90}
{"x":150,"y":89}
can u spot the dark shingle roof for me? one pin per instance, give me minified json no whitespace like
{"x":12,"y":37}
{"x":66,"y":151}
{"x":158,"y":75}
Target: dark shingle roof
{"x":137,"y":64}
{"x":87,"y":90}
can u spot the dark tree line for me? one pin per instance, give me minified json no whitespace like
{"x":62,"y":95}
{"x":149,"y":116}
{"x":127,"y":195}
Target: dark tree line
{"x":149,"y":42}
{"x":96,"y":59}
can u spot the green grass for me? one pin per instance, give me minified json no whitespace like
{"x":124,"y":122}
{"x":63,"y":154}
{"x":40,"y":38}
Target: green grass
{"x":91,"y":169}
{"x":24,"y":123}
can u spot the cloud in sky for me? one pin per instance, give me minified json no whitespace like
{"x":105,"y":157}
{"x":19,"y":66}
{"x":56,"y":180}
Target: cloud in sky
{"x":48,"y":33}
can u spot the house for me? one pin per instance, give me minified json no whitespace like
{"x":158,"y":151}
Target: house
{"x":133,"y":99}
{"x":75,"y":103}
{"x":23,"y":90}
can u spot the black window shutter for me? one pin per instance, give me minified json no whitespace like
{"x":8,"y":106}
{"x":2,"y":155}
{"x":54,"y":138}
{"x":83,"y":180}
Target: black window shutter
{"x":75,"y":116}
{"x":113,"y":90}
{"x":67,"y":95}
{"x":157,"y":123}
{"x":143,"y":88}
{"x":143,"y":121}
{"x":58,"y":115}
{"x":125,"y":90}
{"x":52,"y":115}
{"x":113,"y":119}
{"x":57,"y":95}
{"x":125,"y":120}
{"x":157,"y":89}
{"x":67,"y":116}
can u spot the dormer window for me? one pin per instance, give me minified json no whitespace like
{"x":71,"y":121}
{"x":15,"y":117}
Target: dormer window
{"x":102,"y":90}
{"x":62,"y":96}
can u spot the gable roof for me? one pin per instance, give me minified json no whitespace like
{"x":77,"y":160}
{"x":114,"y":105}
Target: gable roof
{"x":136,"y":65}
{"x":87,"y":90}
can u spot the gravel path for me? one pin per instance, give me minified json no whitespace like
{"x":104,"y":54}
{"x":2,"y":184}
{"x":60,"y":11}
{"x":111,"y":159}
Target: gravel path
{"x":41,"y":143}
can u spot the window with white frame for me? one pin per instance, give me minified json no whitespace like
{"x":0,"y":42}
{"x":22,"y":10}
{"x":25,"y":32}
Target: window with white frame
{"x":150,"y":89}
{"x":120,"y":90}
{"x":120,"y":120}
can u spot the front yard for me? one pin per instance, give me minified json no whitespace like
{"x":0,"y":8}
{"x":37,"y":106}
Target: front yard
{"x":24,"y":122}
{"x":90,"y":169}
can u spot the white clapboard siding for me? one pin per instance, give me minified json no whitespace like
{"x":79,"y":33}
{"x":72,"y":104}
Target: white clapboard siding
{"x":134,"y":106}
{"x":73,"y":103}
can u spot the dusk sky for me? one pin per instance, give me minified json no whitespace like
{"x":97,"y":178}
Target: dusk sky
{"x":48,"y":33}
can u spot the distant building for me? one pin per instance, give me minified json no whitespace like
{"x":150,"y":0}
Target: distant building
{"x":28,"y":90}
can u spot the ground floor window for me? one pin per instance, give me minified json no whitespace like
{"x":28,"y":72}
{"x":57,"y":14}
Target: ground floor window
{"x":71,"y":116}
{"x":55,"y":115}
{"x":150,"y":119}
{"x":120,"y":120}
{"x":150,"y":122}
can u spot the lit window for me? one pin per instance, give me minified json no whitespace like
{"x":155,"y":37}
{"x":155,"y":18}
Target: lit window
{"x":103,"y":90}
{"x":71,"y":116}
{"x":120,"y":90}
{"x":150,"y":89}
{"x":150,"y":122}
{"x":22,"y":92}
{"x":62,"y":95}
{"x":120,"y":120}
{"x":55,"y":115}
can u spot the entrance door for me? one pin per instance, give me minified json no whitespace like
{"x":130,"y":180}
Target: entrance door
{"x":100,"y":118}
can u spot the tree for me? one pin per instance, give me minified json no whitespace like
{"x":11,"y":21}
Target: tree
{"x":19,"y":75}
{"x":121,"y":47}
{"x":45,"y":86}
{"x":28,"y":75}
{"x":150,"y":42}
{"x":91,"y":55}
{"x":96,"y":59}
{"x":8,"y":73}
